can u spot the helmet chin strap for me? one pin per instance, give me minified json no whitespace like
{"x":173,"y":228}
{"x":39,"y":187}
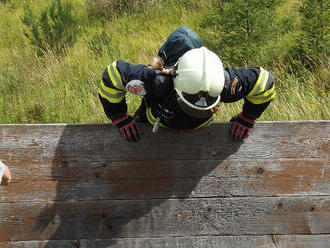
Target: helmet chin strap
{"x":193,"y":112}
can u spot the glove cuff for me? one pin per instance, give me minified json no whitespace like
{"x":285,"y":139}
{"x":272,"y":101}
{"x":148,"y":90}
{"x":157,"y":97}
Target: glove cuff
{"x":120,"y":119}
{"x":246,"y":118}
{"x":123,"y":121}
{"x":243,"y":120}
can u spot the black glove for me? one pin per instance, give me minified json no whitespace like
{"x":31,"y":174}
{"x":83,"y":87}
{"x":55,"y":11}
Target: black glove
{"x":241,"y":126}
{"x":128,"y":129}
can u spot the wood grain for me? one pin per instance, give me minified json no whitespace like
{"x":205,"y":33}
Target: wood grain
{"x":266,"y":241}
{"x":83,"y":186}
{"x":175,"y":217}
{"x":168,"y":179}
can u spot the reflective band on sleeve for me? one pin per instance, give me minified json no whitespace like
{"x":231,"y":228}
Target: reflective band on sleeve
{"x":264,"y":97}
{"x":206,"y":123}
{"x":261,"y":93}
{"x":115,"y":77}
{"x":261,"y":83}
{"x":151,"y":118}
{"x":112,"y":95}
{"x":265,"y":94}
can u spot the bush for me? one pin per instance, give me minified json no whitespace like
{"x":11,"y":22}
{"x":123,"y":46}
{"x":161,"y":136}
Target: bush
{"x":54,"y":29}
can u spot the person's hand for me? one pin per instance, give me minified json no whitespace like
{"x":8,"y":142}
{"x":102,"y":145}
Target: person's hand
{"x":167,"y":71}
{"x":241,"y":126}
{"x":128,"y":129}
{"x":6,"y":177}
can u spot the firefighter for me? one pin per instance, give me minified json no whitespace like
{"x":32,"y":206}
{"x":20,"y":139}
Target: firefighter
{"x":5,"y":176}
{"x":187,"y":96}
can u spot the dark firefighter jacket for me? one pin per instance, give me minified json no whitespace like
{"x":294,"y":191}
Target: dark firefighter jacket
{"x":254,"y":85}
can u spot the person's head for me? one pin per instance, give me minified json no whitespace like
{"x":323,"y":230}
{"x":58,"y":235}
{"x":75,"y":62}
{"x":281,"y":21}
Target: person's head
{"x":158,"y":84}
{"x":199,"y":82}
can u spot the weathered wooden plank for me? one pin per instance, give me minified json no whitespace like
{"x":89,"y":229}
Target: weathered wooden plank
{"x":72,"y":163}
{"x":158,"y":218}
{"x":68,"y":143}
{"x":167,"y":179}
{"x":267,"y":241}
{"x":83,"y":181}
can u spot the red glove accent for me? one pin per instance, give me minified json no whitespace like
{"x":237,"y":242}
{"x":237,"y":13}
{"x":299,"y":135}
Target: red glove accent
{"x":241,"y":126}
{"x":128,"y":128}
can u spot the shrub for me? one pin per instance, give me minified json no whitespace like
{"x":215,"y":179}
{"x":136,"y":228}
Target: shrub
{"x":54,"y":29}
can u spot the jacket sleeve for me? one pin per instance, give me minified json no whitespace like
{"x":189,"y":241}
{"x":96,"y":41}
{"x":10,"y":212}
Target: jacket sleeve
{"x":255,"y":85}
{"x":112,"y":92}
{"x":112,"y":88}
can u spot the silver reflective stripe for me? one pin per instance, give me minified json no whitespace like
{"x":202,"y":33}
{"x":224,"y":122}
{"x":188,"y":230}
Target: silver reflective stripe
{"x":270,"y":82}
{"x":117,"y":80}
{"x":265,"y":97}
{"x":114,"y":96}
{"x":262,"y":83}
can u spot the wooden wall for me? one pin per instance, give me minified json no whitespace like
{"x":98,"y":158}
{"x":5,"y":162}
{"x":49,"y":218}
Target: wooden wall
{"x":83,"y":186}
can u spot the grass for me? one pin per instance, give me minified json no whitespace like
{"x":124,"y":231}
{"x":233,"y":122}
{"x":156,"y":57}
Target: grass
{"x":63,"y":88}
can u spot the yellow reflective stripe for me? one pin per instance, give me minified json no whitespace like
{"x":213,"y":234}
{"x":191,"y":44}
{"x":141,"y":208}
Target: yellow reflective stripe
{"x":261,"y":83}
{"x":112,"y":100}
{"x":115,"y":77}
{"x":265,"y":97}
{"x":151,"y":118}
{"x":206,"y":123}
{"x":111,"y":90}
{"x":265,"y":94}
{"x":272,"y":96}
{"x":112,"y":95}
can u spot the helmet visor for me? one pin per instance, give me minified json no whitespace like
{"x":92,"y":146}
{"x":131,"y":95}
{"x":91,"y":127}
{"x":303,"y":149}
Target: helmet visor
{"x":201,"y":99}
{"x":192,"y":112}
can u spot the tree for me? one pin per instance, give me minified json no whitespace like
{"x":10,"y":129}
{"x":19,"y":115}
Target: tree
{"x":242,"y":26}
{"x":313,"y":42}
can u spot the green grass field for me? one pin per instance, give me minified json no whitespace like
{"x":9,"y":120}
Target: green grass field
{"x":62,"y":88}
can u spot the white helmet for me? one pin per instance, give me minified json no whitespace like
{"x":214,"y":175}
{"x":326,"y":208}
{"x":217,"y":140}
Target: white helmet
{"x":200,"y":79}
